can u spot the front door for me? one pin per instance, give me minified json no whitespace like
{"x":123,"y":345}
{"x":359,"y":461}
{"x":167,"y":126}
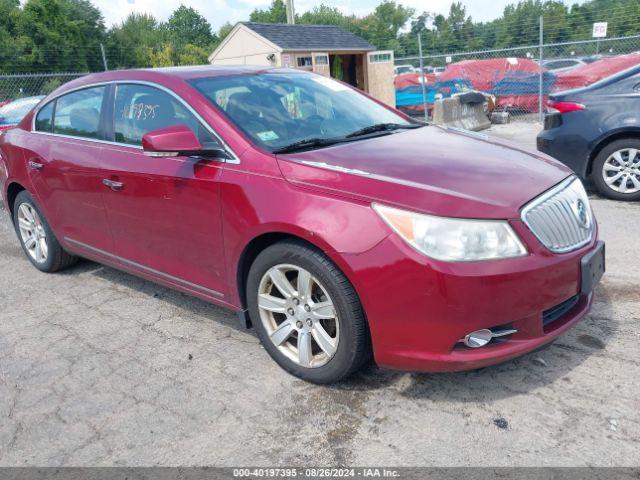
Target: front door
{"x":63,"y":161}
{"x":164,"y":213}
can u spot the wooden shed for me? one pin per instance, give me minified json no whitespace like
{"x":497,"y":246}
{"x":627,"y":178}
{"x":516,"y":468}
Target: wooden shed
{"x":324,"y":49}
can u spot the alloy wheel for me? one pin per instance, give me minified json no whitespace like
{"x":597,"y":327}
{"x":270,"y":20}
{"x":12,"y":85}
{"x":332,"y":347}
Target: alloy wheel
{"x":32,"y":233}
{"x":621,"y":171}
{"x":298,"y":315}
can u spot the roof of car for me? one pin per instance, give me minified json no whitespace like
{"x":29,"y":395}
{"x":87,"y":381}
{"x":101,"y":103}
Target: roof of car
{"x":309,"y":37}
{"x":211,"y":70}
{"x":169,"y":75}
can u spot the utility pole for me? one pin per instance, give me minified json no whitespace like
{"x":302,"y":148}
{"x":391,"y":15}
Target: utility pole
{"x":540,"y":112}
{"x":104,"y":58}
{"x":291,"y":12}
{"x":422,"y":79}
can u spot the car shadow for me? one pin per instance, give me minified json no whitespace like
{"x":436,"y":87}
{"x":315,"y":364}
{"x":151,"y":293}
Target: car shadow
{"x":549,"y":364}
{"x":178,"y":299}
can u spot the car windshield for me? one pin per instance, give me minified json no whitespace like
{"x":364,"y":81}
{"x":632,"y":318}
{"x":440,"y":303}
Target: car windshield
{"x":279,"y":110}
{"x":15,"y":111}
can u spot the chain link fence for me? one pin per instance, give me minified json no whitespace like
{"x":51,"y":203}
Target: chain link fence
{"x":13,"y":87}
{"x":516,"y":81}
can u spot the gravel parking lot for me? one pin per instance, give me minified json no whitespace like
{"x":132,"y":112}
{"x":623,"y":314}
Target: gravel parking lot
{"x":101,"y":368}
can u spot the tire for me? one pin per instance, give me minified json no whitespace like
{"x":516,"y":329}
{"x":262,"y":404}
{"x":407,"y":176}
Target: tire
{"x":347,"y":327}
{"x":56,"y":257}
{"x":606,"y":159}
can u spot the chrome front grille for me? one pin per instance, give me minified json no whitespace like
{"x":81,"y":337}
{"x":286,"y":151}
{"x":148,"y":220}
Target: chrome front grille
{"x":561,"y":218}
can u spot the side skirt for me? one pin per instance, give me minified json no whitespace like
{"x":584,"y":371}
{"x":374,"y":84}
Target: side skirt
{"x":148,"y":273}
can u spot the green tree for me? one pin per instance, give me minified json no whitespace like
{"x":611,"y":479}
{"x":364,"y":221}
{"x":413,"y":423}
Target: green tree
{"x":187,"y":26}
{"x":9,"y":51}
{"x":192,"y":55}
{"x":59,"y":35}
{"x":325,"y":15}
{"x":56,"y":35}
{"x":276,"y":13}
{"x":381,"y":28}
{"x":132,"y":43}
{"x":623,"y":16}
{"x":162,"y":57}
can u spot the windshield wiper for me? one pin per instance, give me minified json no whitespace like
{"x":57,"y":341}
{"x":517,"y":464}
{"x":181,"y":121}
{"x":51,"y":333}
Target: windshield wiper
{"x":308,"y":143}
{"x":383,"y":127}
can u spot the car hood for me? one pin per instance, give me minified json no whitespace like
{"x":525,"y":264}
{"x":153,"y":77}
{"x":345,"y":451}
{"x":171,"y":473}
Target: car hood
{"x":434,"y":170}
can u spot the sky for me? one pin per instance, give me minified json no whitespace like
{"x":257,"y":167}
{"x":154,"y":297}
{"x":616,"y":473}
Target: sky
{"x":221,"y":11}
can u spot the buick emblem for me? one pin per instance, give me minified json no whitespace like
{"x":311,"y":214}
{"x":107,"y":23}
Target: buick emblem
{"x":582,"y":214}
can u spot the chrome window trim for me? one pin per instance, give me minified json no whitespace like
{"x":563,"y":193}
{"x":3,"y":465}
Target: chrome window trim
{"x":41,"y":105}
{"x":543,"y":198}
{"x":234,"y":158}
{"x":92,"y":140}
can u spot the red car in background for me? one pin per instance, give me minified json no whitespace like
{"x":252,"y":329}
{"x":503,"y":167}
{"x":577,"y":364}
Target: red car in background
{"x":336,"y":226}
{"x":593,"y":72}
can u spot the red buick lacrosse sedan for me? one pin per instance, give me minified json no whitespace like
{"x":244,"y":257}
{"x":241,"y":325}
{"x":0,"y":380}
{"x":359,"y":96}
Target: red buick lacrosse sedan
{"x":337,"y":227}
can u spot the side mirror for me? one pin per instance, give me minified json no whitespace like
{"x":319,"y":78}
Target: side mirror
{"x":178,"y":140}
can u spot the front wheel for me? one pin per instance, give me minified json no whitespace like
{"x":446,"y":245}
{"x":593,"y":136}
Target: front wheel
{"x":36,"y":237}
{"x":306,"y":313}
{"x":616,"y":170}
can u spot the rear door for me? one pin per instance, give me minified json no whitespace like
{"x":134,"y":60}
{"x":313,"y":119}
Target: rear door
{"x":63,"y":160}
{"x":164,"y":213}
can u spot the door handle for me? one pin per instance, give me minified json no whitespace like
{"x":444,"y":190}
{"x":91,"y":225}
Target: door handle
{"x":113,"y":185}
{"x":33,"y":165}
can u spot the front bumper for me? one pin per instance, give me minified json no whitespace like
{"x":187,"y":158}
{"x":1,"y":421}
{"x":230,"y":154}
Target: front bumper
{"x":418,"y":309}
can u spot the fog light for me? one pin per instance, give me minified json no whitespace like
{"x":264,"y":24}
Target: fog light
{"x":481,"y":338}
{"x":478,"y":339}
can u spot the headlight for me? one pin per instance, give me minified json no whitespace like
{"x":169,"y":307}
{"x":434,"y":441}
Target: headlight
{"x":453,"y":239}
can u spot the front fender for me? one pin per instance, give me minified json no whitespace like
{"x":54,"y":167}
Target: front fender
{"x":254,"y":205}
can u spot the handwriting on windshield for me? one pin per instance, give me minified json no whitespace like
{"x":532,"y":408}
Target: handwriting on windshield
{"x":140,"y":111}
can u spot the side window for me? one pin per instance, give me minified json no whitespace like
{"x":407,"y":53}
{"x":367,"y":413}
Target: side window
{"x":140,"y":109}
{"x":78,"y":113}
{"x":44,"y":120}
